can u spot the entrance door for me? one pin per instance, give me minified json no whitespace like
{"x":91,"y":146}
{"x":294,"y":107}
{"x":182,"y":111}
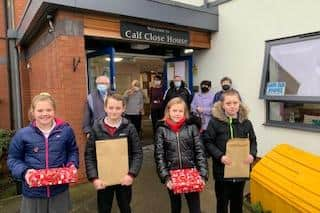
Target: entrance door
{"x":101,"y":63}
{"x":180,"y":66}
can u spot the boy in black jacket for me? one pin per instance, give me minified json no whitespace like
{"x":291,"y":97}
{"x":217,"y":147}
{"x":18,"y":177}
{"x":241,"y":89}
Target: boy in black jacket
{"x":110,"y":127}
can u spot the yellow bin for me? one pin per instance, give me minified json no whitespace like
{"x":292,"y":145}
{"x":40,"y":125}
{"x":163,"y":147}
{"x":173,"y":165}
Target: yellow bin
{"x":287,"y":180}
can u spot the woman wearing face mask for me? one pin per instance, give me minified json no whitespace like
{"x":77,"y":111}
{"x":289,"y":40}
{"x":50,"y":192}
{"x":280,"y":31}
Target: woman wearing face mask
{"x":134,"y":98}
{"x":177,"y":88}
{"x":226,"y":84}
{"x":156,"y":99}
{"x":202,"y":104}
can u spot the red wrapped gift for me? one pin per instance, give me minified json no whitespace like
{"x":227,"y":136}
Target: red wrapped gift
{"x":53,"y":176}
{"x":186,"y":180}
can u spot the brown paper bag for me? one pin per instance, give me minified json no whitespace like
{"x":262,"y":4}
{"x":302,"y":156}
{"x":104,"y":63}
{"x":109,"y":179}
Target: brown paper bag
{"x":237,"y":150}
{"x":112,"y":160}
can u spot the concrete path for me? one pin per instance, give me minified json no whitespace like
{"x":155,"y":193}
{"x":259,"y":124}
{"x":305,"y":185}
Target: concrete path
{"x":149,"y":195}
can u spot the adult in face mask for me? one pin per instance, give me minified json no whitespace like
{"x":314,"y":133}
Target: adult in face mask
{"x":156,"y":100}
{"x":94,"y":107}
{"x":226,"y":84}
{"x":202,"y":104}
{"x":177,"y":88}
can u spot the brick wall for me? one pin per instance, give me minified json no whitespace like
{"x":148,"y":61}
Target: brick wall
{"x":52,"y":71}
{"x":19,"y":8}
{"x":4,"y":87}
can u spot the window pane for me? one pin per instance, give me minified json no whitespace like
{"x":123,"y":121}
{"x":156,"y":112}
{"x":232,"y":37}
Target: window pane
{"x":295,"y":113}
{"x":297,"y":64}
{"x":97,"y":66}
{"x":178,"y":68}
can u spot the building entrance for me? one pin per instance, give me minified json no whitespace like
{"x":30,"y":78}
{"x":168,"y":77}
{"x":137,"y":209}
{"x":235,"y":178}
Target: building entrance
{"x":123,"y":63}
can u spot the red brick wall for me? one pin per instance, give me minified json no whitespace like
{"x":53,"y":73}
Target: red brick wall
{"x":19,"y":8}
{"x":52,"y":71}
{"x":4,"y":87}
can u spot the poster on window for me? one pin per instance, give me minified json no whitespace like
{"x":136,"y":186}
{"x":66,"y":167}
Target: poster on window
{"x":180,"y":69}
{"x":276,"y":88}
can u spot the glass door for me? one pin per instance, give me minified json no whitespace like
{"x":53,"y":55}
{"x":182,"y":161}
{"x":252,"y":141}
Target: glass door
{"x":101,"y":63}
{"x":179,"y":66}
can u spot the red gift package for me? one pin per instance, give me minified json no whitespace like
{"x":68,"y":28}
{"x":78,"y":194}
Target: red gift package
{"x":53,"y":176}
{"x":186,"y":180}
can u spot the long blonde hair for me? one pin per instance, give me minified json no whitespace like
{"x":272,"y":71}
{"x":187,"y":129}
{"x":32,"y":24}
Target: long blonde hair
{"x":173,"y":101}
{"x":43,"y":96}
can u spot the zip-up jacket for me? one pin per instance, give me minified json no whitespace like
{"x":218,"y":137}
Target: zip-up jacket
{"x":99,"y":132}
{"x":29,"y":149}
{"x":179,"y":150}
{"x":220,"y":129}
{"x":94,"y":109}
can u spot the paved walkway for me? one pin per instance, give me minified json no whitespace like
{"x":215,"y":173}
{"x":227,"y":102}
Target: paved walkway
{"x":149,"y":195}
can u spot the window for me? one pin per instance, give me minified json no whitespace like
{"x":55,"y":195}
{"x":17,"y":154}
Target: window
{"x":97,"y":66}
{"x":291,"y":82}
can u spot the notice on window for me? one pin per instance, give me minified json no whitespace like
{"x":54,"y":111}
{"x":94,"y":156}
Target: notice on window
{"x":180,"y":69}
{"x":276,"y":88}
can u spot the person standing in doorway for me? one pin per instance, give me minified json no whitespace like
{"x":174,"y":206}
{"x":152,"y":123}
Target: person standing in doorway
{"x":156,"y":99}
{"x":134,"y":101}
{"x":226,"y":84}
{"x":230,"y":120}
{"x":177,"y":89}
{"x":201,"y":104}
{"x":94,"y":104}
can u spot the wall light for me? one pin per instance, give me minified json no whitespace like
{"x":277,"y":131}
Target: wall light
{"x":116,"y":59}
{"x":188,"y":51}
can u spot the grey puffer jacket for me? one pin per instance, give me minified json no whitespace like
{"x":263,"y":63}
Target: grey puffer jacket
{"x":179,"y":150}
{"x":218,"y":133}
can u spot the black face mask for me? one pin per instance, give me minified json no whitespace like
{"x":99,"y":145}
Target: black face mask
{"x":204,"y":89}
{"x":226,"y":87}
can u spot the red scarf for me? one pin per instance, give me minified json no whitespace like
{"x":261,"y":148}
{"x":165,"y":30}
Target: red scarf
{"x":175,"y":126}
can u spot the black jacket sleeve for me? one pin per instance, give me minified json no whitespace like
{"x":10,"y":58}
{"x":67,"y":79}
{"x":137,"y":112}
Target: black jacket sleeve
{"x":253,"y":141}
{"x":86,"y":124}
{"x":159,"y":156}
{"x":91,"y":158}
{"x":136,"y":151}
{"x":201,"y":160}
{"x":209,"y":139}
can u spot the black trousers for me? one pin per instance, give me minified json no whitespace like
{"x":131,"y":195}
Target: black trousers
{"x":156,"y":114}
{"x":228,"y":191}
{"x":135,"y":120}
{"x":123,"y":195}
{"x":193,"y":200}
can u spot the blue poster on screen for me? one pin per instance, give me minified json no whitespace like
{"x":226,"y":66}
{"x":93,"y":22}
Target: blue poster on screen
{"x":276,"y":88}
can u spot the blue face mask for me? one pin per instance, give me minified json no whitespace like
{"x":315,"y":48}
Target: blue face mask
{"x":177,"y":84}
{"x":102,"y":88}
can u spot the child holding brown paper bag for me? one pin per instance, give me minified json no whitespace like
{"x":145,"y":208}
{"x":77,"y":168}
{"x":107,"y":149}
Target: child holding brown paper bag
{"x":230,"y":120}
{"x":110,"y":127}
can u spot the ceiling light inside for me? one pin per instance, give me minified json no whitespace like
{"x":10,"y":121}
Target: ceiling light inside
{"x":188,"y":51}
{"x":116,"y":59}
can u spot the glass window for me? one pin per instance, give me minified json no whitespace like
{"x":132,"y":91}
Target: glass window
{"x":291,"y":82}
{"x":302,"y":113}
{"x":298,"y":65}
{"x":178,"y":68}
{"x":98,"y":65}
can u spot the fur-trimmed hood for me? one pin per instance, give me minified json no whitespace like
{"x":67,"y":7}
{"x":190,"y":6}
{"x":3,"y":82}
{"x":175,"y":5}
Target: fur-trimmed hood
{"x":218,"y":112}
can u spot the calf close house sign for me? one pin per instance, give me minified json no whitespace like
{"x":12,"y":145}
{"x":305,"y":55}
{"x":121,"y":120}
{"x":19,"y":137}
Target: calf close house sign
{"x":140,"y":32}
